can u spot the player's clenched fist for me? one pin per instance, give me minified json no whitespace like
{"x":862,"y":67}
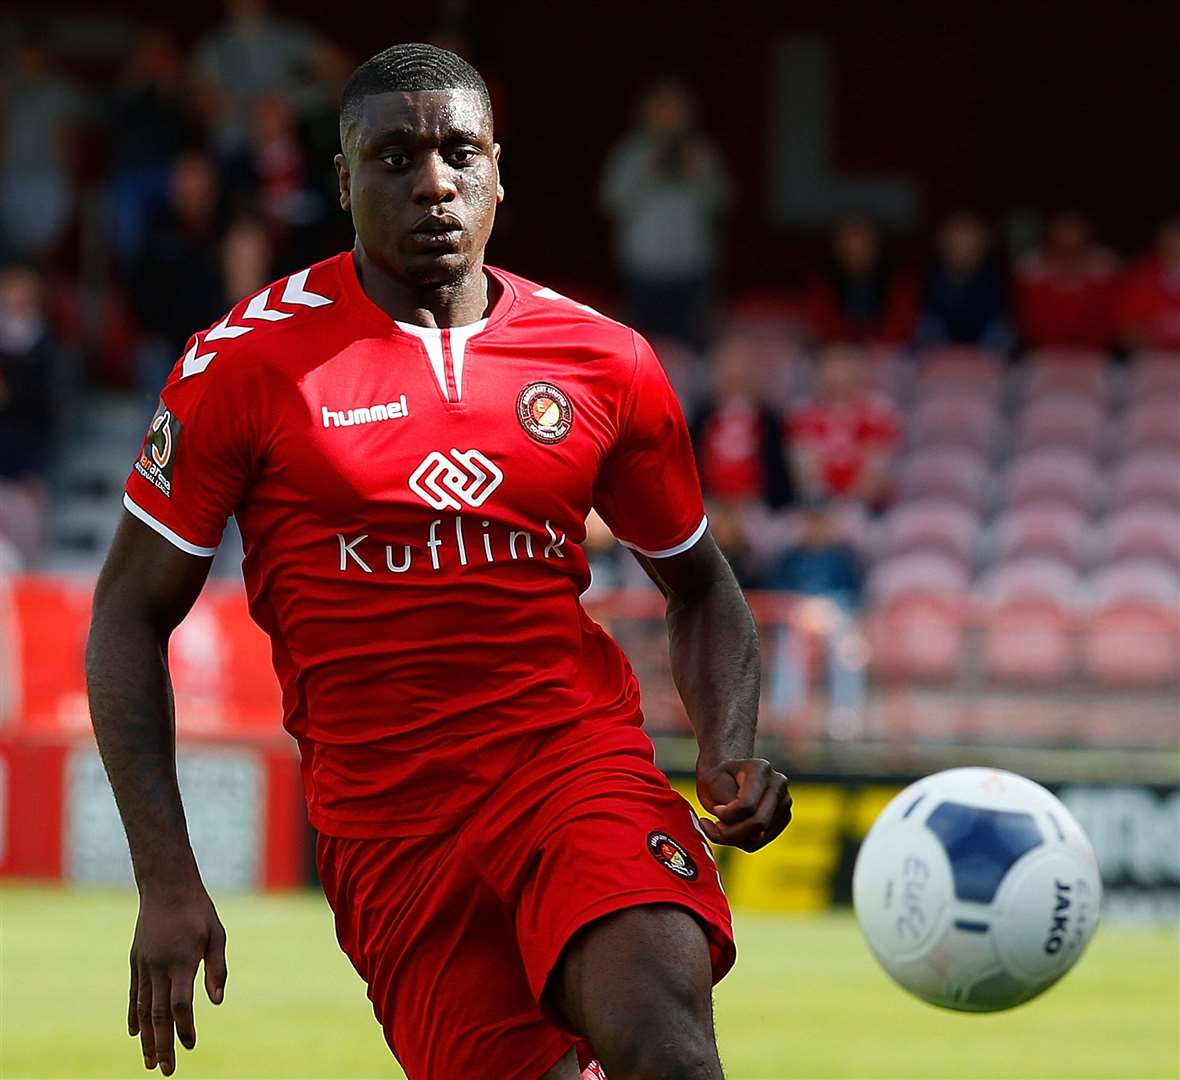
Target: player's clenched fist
{"x":173,"y":934}
{"x":750,"y":800}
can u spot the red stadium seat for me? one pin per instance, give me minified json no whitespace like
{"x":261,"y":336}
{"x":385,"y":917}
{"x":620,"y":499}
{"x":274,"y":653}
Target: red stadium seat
{"x":1141,"y":532}
{"x":1053,"y":530}
{"x":1075,"y":371}
{"x":1144,"y":580}
{"x":917,"y":638}
{"x":916,"y":624}
{"x":1052,"y":475}
{"x":1133,"y":633}
{"x":1132,"y":643}
{"x":934,"y":525}
{"x":979,"y":371}
{"x":1067,"y":421}
{"x":954,"y":418}
{"x":946,"y":472}
{"x":1032,"y":577}
{"x":1153,"y":426}
{"x":1154,"y":375}
{"x":919,"y":573}
{"x":1146,"y":478}
{"x":1028,"y":641}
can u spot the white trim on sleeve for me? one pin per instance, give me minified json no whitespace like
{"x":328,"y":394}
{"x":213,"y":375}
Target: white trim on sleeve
{"x":683,"y":546}
{"x":158,"y":526}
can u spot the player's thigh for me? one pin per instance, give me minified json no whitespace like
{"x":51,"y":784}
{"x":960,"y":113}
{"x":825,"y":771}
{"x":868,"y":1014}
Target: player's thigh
{"x":623,"y":925}
{"x":437,"y":949}
{"x":643,"y":969}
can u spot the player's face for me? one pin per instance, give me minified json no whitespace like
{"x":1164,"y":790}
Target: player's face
{"x":422,"y":182}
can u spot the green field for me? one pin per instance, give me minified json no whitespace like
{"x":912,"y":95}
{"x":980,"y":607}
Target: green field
{"x":806,"y":1000}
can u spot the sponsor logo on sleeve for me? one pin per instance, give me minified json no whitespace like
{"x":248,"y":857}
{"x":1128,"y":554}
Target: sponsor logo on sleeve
{"x":545,"y":412}
{"x":671,"y":855}
{"x":159,"y":450}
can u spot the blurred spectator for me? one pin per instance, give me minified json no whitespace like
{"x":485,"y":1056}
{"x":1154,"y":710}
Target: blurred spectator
{"x":1065,"y":289}
{"x":30,"y":382}
{"x":246,"y":261}
{"x":255,"y":54}
{"x":149,"y":126}
{"x":843,"y":440}
{"x":822,"y":566}
{"x":29,"y":376}
{"x":664,"y":187}
{"x":1149,"y":307}
{"x":861,"y":296}
{"x":272,"y":174}
{"x":178,"y":287}
{"x":965,"y":301}
{"x":39,"y":115}
{"x":737,"y":436}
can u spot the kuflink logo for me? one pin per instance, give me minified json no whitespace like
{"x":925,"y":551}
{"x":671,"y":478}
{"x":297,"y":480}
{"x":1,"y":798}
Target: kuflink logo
{"x":465,"y":478}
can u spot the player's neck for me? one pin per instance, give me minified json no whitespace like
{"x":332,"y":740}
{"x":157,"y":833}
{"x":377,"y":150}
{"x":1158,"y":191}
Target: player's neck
{"x":466,"y":301}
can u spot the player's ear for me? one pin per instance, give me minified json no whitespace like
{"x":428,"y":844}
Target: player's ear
{"x":345,"y":178}
{"x":496,"y":159}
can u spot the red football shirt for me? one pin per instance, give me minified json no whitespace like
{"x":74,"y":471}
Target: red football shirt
{"x":411,"y":503}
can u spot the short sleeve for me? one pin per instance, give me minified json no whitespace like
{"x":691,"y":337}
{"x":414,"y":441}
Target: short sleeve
{"x":197,"y":457}
{"x":648,"y":491}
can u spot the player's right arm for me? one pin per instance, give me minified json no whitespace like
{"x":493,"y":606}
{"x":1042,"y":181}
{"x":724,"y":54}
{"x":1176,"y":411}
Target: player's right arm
{"x":198,"y":459}
{"x":146,"y":588}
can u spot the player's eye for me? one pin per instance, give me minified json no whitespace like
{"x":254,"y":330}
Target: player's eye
{"x":462,"y":156}
{"x":395,"y":160}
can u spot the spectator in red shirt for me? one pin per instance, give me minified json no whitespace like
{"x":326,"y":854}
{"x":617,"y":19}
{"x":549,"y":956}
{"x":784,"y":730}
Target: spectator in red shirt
{"x":1149,"y":306}
{"x":843,"y":440}
{"x":1065,"y":290}
{"x":862,"y":296}
{"x":737,"y":436}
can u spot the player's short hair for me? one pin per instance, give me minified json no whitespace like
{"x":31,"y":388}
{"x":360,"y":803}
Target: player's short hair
{"x":408,"y":68}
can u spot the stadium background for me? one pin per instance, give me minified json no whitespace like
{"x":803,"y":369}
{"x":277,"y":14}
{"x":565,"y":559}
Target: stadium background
{"x":1005,"y":591}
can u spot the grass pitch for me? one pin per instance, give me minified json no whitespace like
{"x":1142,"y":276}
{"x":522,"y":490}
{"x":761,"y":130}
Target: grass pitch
{"x":806,"y":1000}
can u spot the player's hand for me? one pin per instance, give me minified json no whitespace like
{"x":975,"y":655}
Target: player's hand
{"x":176,"y":930}
{"x":750,"y":800}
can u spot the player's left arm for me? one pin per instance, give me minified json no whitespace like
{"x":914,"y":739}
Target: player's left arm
{"x":649,"y":495}
{"x":716,"y":666}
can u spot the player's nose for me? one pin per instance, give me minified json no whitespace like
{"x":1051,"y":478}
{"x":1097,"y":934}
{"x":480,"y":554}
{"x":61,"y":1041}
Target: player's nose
{"x":434,"y":181}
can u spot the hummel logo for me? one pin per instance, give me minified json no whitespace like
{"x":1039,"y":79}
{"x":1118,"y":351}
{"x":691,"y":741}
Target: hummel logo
{"x":466,"y":474}
{"x":393,"y":410}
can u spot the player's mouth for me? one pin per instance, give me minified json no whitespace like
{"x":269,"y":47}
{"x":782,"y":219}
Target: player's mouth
{"x":441,"y":232}
{"x":437,"y":241}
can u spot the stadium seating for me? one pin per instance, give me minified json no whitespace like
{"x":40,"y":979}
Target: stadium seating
{"x":1056,"y":530}
{"x":1078,"y":372}
{"x":1052,"y":475}
{"x":1154,"y":375}
{"x":1067,"y":421}
{"x":1152,"y":426}
{"x":933,"y":525}
{"x":1141,"y":532}
{"x":952,"y":473}
{"x":1028,"y":641}
{"x":1151,"y":479}
{"x":953,"y":418}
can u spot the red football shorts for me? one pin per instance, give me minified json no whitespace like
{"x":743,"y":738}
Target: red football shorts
{"x":456,"y":935}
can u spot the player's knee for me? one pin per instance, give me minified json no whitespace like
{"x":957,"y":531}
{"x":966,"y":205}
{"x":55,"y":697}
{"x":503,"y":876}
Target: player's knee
{"x":658,"y":1056}
{"x":670,"y":1037}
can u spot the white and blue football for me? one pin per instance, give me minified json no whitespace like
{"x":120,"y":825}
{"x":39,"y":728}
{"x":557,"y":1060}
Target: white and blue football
{"x":976,"y":889}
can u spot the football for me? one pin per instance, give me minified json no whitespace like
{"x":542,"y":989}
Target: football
{"x":976,"y":889}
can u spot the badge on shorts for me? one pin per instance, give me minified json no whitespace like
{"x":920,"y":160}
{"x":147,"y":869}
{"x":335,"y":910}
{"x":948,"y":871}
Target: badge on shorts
{"x":545,"y":412}
{"x":671,"y":855}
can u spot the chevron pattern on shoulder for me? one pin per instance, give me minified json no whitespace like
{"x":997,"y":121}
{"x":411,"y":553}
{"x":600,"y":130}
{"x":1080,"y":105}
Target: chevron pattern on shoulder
{"x":295,"y":291}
